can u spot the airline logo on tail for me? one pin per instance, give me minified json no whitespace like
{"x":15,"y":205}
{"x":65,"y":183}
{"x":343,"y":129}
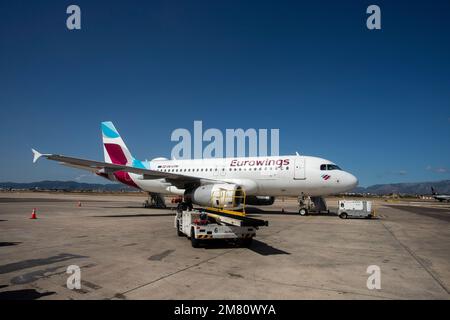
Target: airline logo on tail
{"x":115,"y":149}
{"x":116,"y":152}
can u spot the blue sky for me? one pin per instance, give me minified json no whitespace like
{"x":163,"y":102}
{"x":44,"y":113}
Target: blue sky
{"x":375,"y":102}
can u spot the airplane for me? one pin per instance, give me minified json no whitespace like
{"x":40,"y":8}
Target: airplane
{"x":216,"y":182}
{"x":440,"y":197}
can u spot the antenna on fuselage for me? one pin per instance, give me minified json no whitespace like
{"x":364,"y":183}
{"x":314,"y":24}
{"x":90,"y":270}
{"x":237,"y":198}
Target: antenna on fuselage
{"x":297,"y":153}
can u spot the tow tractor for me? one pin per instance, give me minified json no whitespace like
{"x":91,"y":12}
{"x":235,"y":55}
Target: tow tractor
{"x":201,"y":225}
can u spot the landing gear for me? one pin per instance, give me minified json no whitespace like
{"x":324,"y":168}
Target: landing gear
{"x":303,"y":211}
{"x":304,"y":204}
{"x":308,"y":204}
{"x":155,"y":200}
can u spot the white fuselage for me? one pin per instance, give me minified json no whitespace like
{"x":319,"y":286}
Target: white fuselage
{"x":442,"y":197}
{"x":260,"y":176}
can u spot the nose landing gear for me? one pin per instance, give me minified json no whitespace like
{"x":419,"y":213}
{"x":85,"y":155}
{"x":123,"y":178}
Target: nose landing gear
{"x":303,"y":211}
{"x":304,"y":203}
{"x":309,"y":204}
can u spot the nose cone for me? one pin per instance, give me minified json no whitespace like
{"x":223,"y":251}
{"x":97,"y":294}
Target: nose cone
{"x":348,"y":182}
{"x":351,"y":181}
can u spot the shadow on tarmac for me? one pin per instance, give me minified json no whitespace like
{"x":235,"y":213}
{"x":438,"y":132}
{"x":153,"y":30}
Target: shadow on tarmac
{"x":136,"y":215}
{"x":257,"y":246}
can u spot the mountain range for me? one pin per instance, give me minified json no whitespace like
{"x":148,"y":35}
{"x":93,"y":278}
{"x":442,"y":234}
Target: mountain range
{"x":414,"y":188}
{"x":411,"y":188}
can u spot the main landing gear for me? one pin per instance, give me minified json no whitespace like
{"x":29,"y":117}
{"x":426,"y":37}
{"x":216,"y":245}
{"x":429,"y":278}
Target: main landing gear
{"x":155,"y":200}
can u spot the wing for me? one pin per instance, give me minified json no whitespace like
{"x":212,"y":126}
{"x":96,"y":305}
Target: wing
{"x":178,"y":180}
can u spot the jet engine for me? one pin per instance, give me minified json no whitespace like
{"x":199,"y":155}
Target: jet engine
{"x":216,"y":195}
{"x":259,"y":200}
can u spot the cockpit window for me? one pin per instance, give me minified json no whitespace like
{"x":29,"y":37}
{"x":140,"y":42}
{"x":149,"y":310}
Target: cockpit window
{"x":329,"y":167}
{"x":333,"y":167}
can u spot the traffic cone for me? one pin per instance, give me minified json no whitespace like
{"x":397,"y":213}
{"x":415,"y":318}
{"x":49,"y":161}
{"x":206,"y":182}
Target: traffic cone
{"x":33,"y":214}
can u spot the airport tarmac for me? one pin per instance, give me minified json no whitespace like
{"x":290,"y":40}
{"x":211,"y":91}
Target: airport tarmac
{"x":129,"y":252}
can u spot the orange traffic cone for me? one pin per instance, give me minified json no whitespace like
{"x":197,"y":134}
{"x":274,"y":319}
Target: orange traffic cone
{"x":33,"y":214}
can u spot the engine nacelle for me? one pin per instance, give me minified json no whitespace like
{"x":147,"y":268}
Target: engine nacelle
{"x":259,"y":200}
{"x":217,"y":195}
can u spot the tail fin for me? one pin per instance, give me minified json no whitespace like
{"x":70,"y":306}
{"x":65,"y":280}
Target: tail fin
{"x":114,"y":148}
{"x":433,"y":192}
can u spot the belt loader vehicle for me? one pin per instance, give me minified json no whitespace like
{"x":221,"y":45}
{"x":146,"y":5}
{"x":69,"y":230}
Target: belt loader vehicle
{"x":208,"y":224}
{"x":201,"y":225}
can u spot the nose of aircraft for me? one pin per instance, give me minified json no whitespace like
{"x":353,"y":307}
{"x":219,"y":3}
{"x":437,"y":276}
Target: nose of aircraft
{"x":351,"y":181}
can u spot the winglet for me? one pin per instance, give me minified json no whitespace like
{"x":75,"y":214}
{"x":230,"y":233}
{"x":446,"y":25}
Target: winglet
{"x":36,"y":155}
